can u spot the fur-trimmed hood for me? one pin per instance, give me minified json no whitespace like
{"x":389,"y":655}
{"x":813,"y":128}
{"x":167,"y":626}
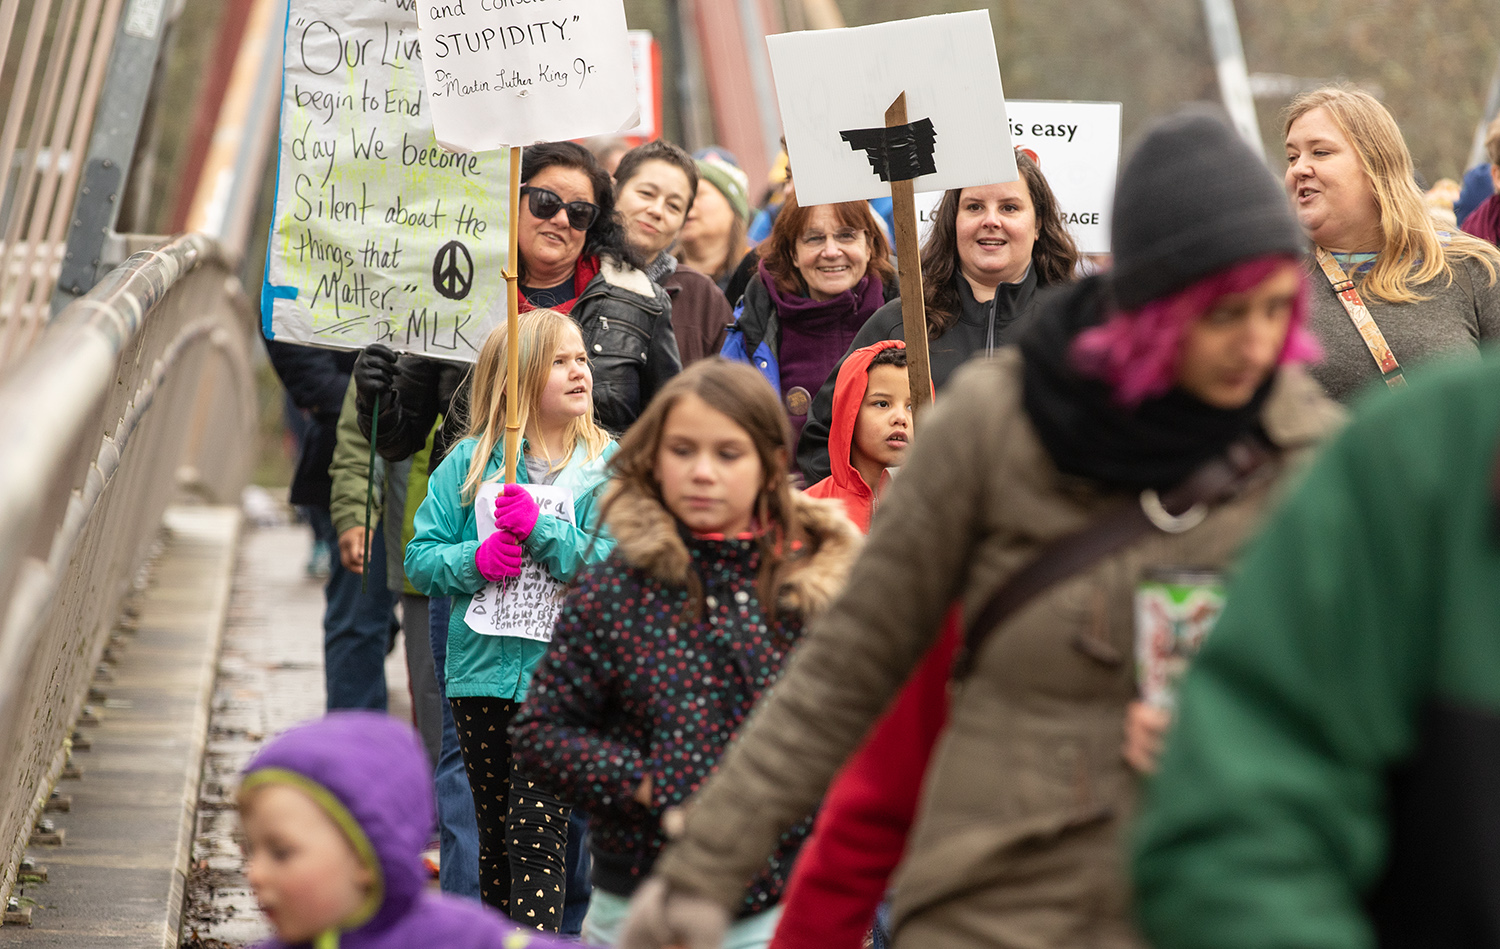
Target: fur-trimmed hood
{"x":646,"y":535}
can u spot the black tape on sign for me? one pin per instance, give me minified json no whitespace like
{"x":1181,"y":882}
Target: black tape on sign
{"x":897,"y":152}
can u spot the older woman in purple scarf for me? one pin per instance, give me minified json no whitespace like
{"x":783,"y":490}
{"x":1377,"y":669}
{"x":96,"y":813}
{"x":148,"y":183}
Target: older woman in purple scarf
{"x":823,"y":272}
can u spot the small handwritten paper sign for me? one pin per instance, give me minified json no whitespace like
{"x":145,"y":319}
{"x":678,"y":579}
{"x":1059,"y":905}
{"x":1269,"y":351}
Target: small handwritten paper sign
{"x":378,"y":235}
{"x":524,"y":606}
{"x":514,"y":72}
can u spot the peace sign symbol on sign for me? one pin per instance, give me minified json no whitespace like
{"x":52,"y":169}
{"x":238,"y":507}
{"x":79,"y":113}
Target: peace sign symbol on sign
{"x":451,"y":276}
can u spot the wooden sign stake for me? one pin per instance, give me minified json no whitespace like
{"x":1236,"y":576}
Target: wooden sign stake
{"x":513,"y":324}
{"x":909,"y":263}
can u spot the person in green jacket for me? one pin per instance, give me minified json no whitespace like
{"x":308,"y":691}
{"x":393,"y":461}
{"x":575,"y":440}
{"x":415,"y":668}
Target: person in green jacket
{"x":489,"y":665}
{"x":398,"y":488}
{"x":1333,"y":779}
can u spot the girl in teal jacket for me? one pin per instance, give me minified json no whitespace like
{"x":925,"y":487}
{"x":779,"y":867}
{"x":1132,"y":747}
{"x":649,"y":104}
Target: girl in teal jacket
{"x":488,"y":668}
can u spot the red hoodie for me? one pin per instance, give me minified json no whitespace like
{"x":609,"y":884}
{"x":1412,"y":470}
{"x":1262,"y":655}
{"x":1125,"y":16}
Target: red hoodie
{"x":845,"y":484}
{"x":844,"y":868}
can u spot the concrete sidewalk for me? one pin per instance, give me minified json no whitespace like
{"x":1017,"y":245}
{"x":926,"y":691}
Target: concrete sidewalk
{"x":270,"y":678}
{"x":228,"y":652}
{"x":119,"y":878}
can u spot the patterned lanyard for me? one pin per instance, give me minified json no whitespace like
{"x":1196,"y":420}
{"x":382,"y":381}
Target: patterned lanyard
{"x":1343,"y":287}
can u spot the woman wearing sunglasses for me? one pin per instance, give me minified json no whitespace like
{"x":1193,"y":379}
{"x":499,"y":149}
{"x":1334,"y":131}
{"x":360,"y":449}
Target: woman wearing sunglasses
{"x":823,"y":272}
{"x":574,"y":259}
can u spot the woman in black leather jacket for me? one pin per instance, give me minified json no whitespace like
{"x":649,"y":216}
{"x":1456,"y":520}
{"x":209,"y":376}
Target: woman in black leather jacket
{"x":573,"y":259}
{"x":990,"y":249}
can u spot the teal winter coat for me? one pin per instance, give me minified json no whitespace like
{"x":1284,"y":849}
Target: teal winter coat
{"x":440,"y":562}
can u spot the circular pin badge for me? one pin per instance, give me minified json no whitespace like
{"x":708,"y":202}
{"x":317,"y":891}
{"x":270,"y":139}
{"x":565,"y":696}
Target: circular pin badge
{"x":797,"y":400}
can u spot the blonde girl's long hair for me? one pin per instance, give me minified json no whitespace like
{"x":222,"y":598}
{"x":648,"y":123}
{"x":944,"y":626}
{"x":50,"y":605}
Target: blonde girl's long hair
{"x":1414,"y":252}
{"x":542,"y":331}
{"x":741,"y":393}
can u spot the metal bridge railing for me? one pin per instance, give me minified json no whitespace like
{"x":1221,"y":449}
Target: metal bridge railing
{"x":133,"y":393}
{"x":58,"y":57}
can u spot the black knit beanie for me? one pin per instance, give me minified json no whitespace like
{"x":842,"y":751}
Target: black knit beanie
{"x":1193,"y":199}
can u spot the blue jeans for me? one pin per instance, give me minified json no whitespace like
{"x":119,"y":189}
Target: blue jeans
{"x":357,"y":626}
{"x":458,"y":831}
{"x":578,"y":888}
{"x":880,"y":932}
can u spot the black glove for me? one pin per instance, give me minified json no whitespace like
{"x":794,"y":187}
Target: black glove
{"x":375,"y":376}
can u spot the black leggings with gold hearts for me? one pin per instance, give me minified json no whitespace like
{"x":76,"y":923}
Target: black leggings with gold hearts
{"x":523,"y":830}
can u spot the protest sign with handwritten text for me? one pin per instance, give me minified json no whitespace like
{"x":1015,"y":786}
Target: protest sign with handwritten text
{"x":513,"y":72}
{"x":378,"y":234}
{"x":527,"y":605}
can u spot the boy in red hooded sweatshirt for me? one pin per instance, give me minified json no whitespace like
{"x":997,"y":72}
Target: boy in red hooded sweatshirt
{"x":843,"y":870}
{"x":870,"y":429}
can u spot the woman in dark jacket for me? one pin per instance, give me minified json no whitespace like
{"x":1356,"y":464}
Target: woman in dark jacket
{"x":574,"y":259}
{"x":822,"y":274}
{"x":655,"y":186}
{"x":990,"y":249}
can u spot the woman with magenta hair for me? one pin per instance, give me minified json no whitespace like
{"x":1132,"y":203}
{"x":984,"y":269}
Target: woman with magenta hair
{"x":1006,"y":809}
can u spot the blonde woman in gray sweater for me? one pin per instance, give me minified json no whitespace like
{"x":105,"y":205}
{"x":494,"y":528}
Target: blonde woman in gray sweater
{"x":1389,"y":289}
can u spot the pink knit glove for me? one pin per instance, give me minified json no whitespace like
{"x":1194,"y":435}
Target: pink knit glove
{"x":516,"y":512}
{"x":498,"y":557}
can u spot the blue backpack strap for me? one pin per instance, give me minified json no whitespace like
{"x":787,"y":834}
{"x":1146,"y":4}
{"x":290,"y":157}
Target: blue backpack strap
{"x":734,"y":338}
{"x":762,"y":359}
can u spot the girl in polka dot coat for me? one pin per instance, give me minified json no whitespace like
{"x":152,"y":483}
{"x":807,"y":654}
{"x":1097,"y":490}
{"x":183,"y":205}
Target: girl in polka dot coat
{"x":663,"y":650}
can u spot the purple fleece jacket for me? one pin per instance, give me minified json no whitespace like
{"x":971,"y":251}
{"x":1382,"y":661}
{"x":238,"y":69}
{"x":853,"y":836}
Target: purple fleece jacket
{"x":374,"y":768}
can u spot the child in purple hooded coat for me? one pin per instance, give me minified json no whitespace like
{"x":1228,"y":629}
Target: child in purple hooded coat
{"x":335,"y":813}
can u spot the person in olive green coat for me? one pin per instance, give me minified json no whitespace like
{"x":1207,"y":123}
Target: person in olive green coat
{"x":1122,"y":385}
{"x":398,"y":489}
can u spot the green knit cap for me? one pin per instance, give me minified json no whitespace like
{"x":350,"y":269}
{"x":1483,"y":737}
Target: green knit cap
{"x":731,"y":182}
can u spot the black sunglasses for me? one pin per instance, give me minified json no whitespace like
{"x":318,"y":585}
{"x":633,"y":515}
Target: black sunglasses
{"x":545,"y":204}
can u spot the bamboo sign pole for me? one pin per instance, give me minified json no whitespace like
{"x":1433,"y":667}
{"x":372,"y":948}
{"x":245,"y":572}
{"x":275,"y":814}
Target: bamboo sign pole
{"x":513,"y":323}
{"x":909,"y":262}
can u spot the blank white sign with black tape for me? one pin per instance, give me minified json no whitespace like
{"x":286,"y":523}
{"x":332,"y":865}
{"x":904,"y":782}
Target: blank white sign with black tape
{"x":834,"y":86}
